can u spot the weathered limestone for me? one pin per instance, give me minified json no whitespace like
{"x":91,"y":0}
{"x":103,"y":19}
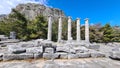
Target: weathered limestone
{"x":38,"y":42}
{"x":26,"y":44}
{"x":49,"y":50}
{"x":93,"y":46}
{"x":62,"y":49}
{"x":96,"y":54}
{"x":3,"y":37}
{"x":115,"y":53}
{"x":83,"y":55}
{"x":86,"y":30}
{"x":50,"y":56}
{"x":62,"y":55}
{"x":81,"y":49}
{"x":21,"y":56}
{"x":34,"y":50}
{"x":60,"y":29}
{"x":12,"y":35}
{"x":78,"y":30}
{"x":1,"y":56}
{"x":49,"y":37}
{"x":16,"y":49}
{"x":72,"y":56}
{"x":69,"y":28}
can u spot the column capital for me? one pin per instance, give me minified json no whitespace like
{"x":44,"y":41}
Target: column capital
{"x":78,"y":18}
{"x":69,"y":17}
{"x":86,"y":19}
{"x":49,"y":36}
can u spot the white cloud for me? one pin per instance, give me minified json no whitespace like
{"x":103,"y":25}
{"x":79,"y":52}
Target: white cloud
{"x":6,"y":5}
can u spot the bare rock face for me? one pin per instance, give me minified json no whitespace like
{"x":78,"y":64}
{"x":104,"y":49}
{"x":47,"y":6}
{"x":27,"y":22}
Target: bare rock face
{"x":31,"y":10}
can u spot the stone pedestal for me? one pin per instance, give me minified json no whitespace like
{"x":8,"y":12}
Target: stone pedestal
{"x":12,"y":35}
{"x":86,"y":30}
{"x":49,"y":37}
{"x":69,"y":28}
{"x":78,"y":30}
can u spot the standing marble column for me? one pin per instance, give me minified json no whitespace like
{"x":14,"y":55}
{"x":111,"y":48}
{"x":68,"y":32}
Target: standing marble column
{"x":49,"y":37}
{"x":60,"y":29}
{"x":86,"y":30}
{"x":69,"y":28}
{"x":78,"y":30}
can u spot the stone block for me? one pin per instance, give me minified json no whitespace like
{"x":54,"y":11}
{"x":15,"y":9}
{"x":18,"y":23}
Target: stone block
{"x":83,"y":55}
{"x":97,"y":54}
{"x":16,"y":49}
{"x":46,"y":43}
{"x":95,"y":47}
{"x":115,"y":55}
{"x":3,"y":45}
{"x":34,"y":50}
{"x":37,"y":55}
{"x":62,"y":55}
{"x":48,"y":56}
{"x":22,"y":56}
{"x":26,"y":56}
{"x":49,"y":50}
{"x":62,"y":49}
{"x":38,"y":42}
{"x":72,"y":51}
{"x":26,"y":44}
{"x":116,"y":49}
{"x":81,"y":49}
{"x":1,"y":55}
{"x":72,"y":56}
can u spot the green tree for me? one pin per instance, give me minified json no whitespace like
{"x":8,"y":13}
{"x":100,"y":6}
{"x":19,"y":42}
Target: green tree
{"x":74,"y":30}
{"x":37,"y":28}
{"x":95,"y":33}
{"x":19,"y":24}
{"x":24,"y":28}
{"x":83,"y":32}
{"x":55,"y":30}
{"x":107,"y":33}
{"x":64,"y":29}
{"x":116,"y":34}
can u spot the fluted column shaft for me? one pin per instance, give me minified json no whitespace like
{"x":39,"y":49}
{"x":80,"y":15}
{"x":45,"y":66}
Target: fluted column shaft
{"x":49,"y":37}
{"x":60,"y":29}
{"x":78,"y":30}
{"x":69,"y":28}
{"x":87,"y":30}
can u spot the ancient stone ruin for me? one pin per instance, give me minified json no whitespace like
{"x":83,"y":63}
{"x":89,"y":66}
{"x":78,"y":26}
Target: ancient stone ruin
{"x":69,"y":38}
{"x":47,"y":49}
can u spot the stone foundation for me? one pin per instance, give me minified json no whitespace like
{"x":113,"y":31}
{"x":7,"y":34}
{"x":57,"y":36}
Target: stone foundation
{"x":49,"y":50}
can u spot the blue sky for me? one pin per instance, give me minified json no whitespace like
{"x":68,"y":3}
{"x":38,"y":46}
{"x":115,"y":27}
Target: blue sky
{"x":98,"y":11}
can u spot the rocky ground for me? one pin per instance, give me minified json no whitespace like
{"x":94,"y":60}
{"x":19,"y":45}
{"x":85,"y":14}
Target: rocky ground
{"x":62,"y":63}
{"x":38,"y":54}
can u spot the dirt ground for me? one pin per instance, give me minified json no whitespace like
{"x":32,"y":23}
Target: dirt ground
{"x":39,"y":63}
